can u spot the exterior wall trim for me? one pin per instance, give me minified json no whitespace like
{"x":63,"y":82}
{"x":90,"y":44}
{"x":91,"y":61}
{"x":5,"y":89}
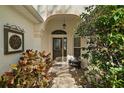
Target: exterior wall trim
{"x":34,"y":12}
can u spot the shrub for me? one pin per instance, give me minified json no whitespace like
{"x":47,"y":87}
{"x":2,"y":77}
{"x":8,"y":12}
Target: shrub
{"x":105,"y":27}
{"x":30,"y":71}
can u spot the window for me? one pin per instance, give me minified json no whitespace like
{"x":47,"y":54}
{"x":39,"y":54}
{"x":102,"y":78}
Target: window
{"x":61,"y":32}
{"x":77,"y":42}
{"x":77,"y":46}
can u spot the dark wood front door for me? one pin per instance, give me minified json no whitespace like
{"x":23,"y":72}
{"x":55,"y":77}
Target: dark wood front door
{"x":59,"y":47}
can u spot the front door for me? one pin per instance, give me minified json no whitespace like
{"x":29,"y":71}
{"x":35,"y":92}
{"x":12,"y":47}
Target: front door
{"x":59,"y":47}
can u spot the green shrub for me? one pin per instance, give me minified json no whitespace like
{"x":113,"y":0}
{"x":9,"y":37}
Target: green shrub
{"x":107,"y":50}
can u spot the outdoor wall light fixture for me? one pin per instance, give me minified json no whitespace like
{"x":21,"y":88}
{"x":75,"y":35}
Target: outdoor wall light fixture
{"x":64,"y":25}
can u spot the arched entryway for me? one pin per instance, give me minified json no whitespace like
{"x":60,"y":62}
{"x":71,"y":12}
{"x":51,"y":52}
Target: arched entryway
{"x":59,"y":44}
{"x":59,"y":40}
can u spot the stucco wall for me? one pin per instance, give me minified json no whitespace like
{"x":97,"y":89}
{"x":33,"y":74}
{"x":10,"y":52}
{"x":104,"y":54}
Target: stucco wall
{"x":13,"y":17}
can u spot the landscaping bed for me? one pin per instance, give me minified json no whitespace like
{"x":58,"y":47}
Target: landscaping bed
{"x":31,"y":71}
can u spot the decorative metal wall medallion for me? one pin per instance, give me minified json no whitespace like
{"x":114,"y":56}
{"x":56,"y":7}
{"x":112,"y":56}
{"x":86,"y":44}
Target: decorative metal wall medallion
{"x":15,"y":42}
{"x":13,"y":39}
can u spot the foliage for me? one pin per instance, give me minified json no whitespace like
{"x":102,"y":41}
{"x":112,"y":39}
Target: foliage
{"x":104,"y":25}
{"x":31,"y":71}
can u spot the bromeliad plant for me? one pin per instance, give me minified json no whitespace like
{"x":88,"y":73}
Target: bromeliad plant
{"x":31,"y":71}
{"x":104,"y":25}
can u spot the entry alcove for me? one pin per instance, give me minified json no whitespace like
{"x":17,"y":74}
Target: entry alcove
{"x":59,"y":44}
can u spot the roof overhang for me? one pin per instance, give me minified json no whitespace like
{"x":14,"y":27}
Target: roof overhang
{"x":29,"y":12}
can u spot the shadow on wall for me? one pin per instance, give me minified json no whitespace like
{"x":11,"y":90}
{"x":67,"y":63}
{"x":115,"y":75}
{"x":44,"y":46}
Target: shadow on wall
{"x":5,"y":61}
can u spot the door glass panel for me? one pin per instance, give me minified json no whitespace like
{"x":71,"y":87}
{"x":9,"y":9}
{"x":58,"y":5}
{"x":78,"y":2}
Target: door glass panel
{"x":57,"y":44}
{"x":65,"y":43}
{"x":65,"y":46}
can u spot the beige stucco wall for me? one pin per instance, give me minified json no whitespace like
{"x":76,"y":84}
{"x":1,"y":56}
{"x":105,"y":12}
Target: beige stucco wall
{"x":13,"y":17}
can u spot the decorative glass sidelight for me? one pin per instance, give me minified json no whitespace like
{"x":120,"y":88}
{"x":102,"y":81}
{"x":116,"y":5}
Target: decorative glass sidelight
{"x":65,"y":46}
